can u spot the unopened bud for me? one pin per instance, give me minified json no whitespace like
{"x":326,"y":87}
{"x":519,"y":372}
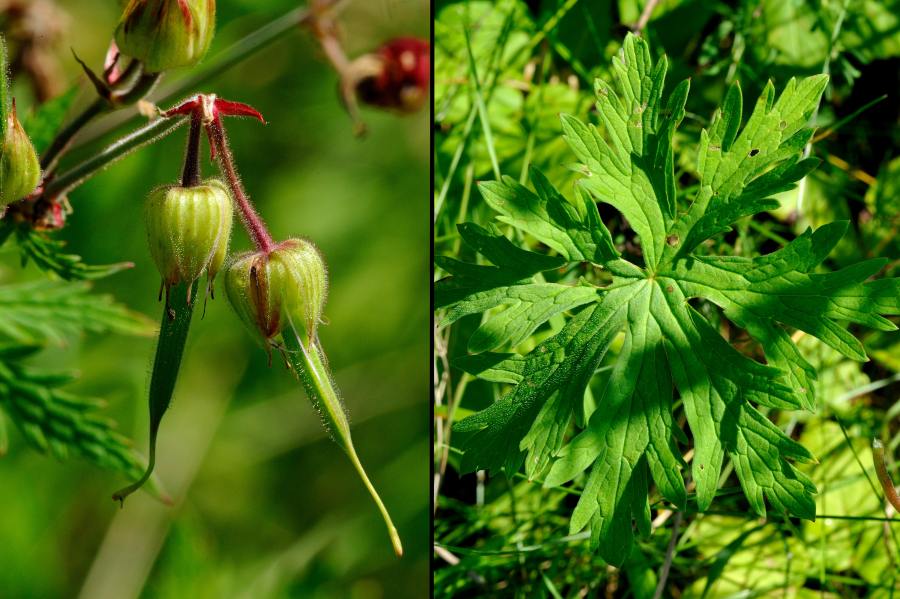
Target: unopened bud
{"x":165,"y":34}
{"x":20,"y":171}
{"x":188,"y":229}
{"x":272,"y":292}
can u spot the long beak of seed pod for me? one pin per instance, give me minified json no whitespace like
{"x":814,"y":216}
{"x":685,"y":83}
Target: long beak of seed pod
{"x":308,"y":361}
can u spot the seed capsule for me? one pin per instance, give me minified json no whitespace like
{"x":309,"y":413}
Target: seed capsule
{"x":283,"y":293}
{"x":165,"y":34}
{"x":271,"y":292}
{"x":188,"y":229}
{"x":20,"y":171}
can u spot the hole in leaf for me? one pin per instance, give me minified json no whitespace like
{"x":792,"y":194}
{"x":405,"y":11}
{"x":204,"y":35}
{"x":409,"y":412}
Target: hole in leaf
{"x":754,"y":152}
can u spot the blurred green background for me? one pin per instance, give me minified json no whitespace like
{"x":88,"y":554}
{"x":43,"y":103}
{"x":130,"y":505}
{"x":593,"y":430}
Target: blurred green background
{"x":266,"y":505}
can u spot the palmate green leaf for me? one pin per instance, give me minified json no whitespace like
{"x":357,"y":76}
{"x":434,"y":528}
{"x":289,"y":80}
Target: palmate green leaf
{"x":670,"y":350}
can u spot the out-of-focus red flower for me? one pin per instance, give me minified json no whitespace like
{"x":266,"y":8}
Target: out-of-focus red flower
{"x":397,"y":76}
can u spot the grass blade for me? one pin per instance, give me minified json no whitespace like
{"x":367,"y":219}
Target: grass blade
{"x":482,"y":109}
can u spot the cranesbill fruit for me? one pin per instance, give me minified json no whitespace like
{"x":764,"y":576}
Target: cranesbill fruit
{"x":271,"y":291}
{"x":165,"y":34}
{"x":280,"y":295}
{"x":188,"y":229}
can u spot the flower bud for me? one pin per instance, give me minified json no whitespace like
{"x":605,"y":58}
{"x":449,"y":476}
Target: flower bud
{"x":270,"y":293}
{"x":188,"y":229}
{"x":20,"y":171}
{"x":397,"y":77}
{"x":165,"y":34}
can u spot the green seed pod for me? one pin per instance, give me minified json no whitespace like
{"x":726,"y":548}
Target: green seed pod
{"x":282,"y":292}
{"x":271,"y":292}
{"x":165,"y":34}
{"x":20,"y":171}
{"x":299,"y":271}
{"x":247,"y":287}
{"x":188,"y":229}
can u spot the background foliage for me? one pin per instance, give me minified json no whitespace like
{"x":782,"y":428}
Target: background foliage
{"x":266,"y":506}
{"x":534,"y":60}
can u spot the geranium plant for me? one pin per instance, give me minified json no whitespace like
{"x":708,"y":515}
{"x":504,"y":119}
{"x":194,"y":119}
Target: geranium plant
{"x":278,"y":289}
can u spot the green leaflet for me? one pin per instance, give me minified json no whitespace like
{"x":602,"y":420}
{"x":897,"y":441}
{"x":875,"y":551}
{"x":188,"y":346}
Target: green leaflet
{"x":669,"y":350}
{"x":38,"y":312}
{"x":49,"y":255}
{"x":58,"y":422}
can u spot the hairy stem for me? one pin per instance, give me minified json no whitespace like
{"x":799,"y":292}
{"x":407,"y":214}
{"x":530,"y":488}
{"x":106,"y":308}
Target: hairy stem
{"x":61,"y":142}
{"x":219,"y":64}
{"x":4,"y":88}
{"x":173,"y":331}
{"x":310,"y":365}
{"x":190,"y":176}
{"x":134,"y":86}
{"x":134,"y":140}
{"x":223,"y":61}
{"x":251,"y":219}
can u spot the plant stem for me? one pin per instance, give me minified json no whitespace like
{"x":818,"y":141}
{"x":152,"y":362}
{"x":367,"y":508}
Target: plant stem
{"x":4,"y":438}
{"x":247,"y":46}
{"x":251,"y":219}
{"x":61,"y":142}
{"x":221,"y":62}
{"x":339,"y":61}
{"x":173,"y":331}
{"x":645,"y":16}
{"x":141,"y":88}
{"x":4,"y":88}
{"x":136,"y":139}
{"x":190,"y":176}
{"x":884,"y":477}
{"x":133,"y":86}
{"x":826,"y":70}
{"x":310,"y":365}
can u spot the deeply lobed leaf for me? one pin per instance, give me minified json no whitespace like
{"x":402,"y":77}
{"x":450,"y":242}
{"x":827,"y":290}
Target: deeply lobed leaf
{"x":670,"y":350}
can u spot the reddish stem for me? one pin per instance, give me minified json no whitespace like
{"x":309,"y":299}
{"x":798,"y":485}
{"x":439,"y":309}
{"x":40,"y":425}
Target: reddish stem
{"x":251,"y":219}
